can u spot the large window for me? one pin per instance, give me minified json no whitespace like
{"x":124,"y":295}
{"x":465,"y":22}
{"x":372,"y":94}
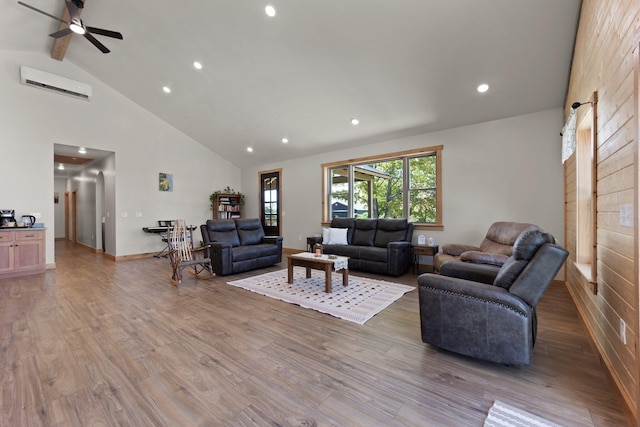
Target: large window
{"x":586,"y":194}
{"x":394,"y":185}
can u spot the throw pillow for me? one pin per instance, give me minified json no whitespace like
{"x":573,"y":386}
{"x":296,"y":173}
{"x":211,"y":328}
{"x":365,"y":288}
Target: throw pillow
{"x":325,"y":236}
{"x":338,"y":236}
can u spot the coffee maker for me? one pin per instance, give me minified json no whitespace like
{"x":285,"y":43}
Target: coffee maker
{"x":7,"y":217}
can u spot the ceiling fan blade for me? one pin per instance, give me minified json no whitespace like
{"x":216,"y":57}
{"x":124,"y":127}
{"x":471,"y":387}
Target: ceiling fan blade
{"x":74,"y":12}
{"x":42,"y":12}
{"x":96,"y":43}
{"x":108,"y":33}
{"x":61,"y":33}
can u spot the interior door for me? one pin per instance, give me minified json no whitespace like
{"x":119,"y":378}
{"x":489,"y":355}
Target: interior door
{"x":270,"y":202}
{"x":71,"y":215}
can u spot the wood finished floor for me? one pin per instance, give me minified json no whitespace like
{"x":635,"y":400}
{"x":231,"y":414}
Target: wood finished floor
{"x":95,"y":343}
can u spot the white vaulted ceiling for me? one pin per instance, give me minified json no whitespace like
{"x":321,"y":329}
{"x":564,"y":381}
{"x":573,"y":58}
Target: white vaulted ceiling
{"x":401,"y":67}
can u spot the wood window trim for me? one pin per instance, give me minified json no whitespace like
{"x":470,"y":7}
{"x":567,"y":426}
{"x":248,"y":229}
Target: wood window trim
{"x":437,"y":149}
{"x":587,"y":253}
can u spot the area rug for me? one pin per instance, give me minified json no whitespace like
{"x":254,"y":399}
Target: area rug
{"x":503,"y":415}
{"x":358,"y":302}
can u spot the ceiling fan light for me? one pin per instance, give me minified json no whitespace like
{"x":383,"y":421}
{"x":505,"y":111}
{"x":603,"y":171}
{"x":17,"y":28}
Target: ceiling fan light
{"x":76,"y":28}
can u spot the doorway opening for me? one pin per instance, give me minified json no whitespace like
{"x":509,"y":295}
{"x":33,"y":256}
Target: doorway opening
{"x":86,"y":177}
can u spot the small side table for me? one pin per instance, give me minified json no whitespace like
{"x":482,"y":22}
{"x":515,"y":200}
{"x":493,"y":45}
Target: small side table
{"x":311,"y":241}
{"x":423,"y":250}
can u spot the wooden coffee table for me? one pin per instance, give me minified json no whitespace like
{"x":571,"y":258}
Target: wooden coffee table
{"x":323,"y":262}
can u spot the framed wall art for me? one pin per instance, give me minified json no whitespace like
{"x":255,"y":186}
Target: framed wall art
{"x":166,"y":182}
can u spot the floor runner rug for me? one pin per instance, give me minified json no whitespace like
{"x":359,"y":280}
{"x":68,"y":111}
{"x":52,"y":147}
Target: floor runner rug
{"x":503,"y":415}
{"x":358,"y":302}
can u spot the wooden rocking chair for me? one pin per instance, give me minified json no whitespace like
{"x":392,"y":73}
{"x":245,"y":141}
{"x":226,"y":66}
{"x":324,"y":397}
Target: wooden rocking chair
{"x":182,"y":254}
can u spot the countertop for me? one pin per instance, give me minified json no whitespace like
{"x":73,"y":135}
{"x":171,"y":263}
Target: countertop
{"x":21,"y":228}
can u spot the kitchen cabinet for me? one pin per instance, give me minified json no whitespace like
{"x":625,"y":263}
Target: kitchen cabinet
{"x":22,"y":252}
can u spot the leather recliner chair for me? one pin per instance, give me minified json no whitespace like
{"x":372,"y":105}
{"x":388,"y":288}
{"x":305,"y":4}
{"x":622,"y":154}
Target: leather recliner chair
{"x":494,"y":249}
{"x":470,"y":310}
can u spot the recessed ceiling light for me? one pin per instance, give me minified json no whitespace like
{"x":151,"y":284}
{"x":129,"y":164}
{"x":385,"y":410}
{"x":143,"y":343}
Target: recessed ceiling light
{"x":270,"y":10}
{"x":61,"y":167}
{"x":82,"y":150}
{"x":483,"y":88}
{"x":197,"y":65}
{"x":355,"y":122}
{"x":166,"y":89}
{"x":250,"y":149}
{"x":285,"y":140}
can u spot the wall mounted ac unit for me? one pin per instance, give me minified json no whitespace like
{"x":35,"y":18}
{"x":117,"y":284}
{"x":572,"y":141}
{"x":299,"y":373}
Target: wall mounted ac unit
{"x":43,"y":80}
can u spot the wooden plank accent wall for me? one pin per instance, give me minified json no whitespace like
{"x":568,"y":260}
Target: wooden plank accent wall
{"x":604,"y":62}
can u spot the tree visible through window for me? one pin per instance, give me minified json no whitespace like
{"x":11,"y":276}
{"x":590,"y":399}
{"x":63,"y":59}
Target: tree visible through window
{"x":397,"y":185}
{"x":422,"y":189}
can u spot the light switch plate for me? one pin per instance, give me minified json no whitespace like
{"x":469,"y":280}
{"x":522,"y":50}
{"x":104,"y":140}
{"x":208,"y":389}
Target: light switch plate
{"x":626,"y":215}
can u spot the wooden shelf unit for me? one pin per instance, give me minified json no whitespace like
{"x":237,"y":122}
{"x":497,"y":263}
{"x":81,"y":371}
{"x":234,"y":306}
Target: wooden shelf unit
{"x":227,"y":206}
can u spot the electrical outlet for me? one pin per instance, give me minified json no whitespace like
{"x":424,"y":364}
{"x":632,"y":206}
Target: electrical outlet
{"x":623,"y":331}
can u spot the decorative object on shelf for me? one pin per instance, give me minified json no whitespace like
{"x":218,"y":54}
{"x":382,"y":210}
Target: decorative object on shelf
{"x":227,"y":191}
{"x":226,"y":204}
{"x":165,"y":181}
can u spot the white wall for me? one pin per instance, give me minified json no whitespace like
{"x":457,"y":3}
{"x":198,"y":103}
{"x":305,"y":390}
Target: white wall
{"x":506,"y":169}
{"x":33,"y":120}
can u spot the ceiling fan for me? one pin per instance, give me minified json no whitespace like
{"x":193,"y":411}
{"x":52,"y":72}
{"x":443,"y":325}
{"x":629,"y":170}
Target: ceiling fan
{"x":77,"y":26}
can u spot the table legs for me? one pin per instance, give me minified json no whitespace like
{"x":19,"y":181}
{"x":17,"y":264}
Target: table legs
{"x":327,"y":278}
{"x":328,"y":268}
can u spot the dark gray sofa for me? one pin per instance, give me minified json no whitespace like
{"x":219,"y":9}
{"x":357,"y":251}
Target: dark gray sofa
{"x":471,"y":310}
{"x":381,"y":246}
{"x":238,"y":245}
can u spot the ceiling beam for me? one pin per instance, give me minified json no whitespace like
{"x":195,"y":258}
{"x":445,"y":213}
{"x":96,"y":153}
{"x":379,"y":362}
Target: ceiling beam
{"x":60,"y":45}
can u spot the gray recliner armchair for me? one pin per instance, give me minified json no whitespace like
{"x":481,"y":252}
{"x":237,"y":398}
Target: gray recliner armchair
{"x":471,"y":310}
